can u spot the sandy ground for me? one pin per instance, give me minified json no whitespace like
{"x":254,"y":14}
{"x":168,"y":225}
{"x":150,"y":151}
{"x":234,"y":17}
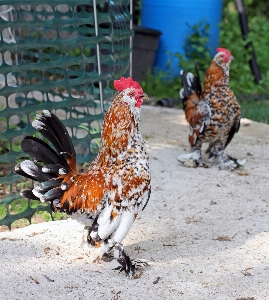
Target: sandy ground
{"x":205,"y":232}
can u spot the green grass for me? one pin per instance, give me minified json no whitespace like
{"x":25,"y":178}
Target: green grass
{"x":18,"y":206}
{"x":255,"y":110}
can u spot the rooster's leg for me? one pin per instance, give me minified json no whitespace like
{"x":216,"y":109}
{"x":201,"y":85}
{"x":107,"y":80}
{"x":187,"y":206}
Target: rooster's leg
{"x":194,"y":158}
{"x":124,"y":263}
{"x":197,"y":150}
{"x":216,"y":150}
{"x":103,"y":249}
{"x":123,"y":260}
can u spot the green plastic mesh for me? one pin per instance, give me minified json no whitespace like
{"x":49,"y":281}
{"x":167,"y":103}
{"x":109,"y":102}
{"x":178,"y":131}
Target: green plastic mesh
{"x":60,"y":57}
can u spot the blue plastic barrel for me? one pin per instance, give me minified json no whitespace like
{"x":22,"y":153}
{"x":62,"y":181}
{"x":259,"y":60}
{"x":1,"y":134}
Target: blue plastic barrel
{"x":171,"y":18}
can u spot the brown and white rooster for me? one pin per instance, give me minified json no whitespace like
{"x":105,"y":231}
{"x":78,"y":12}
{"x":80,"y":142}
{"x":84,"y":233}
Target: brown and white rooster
{"x":213,"y":113}
{"x":116,"y":187}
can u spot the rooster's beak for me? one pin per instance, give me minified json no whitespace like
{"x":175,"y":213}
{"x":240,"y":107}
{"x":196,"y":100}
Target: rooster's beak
{"x":145,"y":96}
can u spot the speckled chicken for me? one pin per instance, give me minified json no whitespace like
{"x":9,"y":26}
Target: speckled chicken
{"x":213,"y":113}
{"x":116,"y":187}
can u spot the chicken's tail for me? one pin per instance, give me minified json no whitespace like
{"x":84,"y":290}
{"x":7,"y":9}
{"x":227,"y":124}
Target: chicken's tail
{"x":191,"y":91}
{"x":51,"y":169}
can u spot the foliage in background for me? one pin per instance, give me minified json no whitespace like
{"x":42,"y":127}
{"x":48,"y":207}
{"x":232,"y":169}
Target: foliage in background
{"x":160,"y":85}
{"x":196,"y":48}
{"x":241,"y":78}
{"x":255,"y":8}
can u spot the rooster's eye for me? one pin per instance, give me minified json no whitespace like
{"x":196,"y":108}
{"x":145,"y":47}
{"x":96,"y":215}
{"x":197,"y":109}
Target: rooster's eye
{"x":131,"y":94}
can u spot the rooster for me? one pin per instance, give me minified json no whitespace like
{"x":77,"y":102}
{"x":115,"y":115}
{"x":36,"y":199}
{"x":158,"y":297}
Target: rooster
{"x":116,"y":187}
{"x":213,"y":113}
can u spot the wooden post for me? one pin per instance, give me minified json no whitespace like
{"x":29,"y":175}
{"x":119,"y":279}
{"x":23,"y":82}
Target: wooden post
{"x":245,"y":30}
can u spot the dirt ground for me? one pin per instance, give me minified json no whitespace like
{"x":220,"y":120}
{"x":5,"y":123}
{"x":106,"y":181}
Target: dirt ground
{"x":205,"y":232}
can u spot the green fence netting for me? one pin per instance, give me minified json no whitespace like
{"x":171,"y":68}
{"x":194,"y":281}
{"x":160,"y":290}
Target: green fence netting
{"x":61,"y":56}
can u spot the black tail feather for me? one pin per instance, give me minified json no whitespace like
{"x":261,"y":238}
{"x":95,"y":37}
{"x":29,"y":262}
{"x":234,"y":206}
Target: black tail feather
{"x":28,"y":193}
{"x":186,"y":88}
{"x":44,"y":127}
{"x":198,"y":85}
{"x":52,"y":169}
{"x":53,"y":194}
{"x":66,"y":155}
{"x":190,"y":83}
{"x":59,"y":160}
{"x":50,"y":184}
{"x":41,"y":151}
{"x":33,"y":171}
{"x":53,"y":129}
{"x":19,"y":171}
{"x":64,"y":136}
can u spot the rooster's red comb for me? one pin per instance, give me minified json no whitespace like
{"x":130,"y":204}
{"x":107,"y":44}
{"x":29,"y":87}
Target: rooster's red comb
{"x":227,"y":52}
{"x":125,"y":83}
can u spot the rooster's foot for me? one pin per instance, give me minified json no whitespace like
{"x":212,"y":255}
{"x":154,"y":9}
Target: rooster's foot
{"x":202,"y":165}
{"x":230,"y":163}
{"x":139,"y":263}
{"x":122,"y":262}
{"x":192,"y":160}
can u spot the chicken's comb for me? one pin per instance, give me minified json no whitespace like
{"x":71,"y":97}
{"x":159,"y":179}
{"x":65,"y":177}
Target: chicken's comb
{"x":125,"y":83}
{"x":227,"y":52}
